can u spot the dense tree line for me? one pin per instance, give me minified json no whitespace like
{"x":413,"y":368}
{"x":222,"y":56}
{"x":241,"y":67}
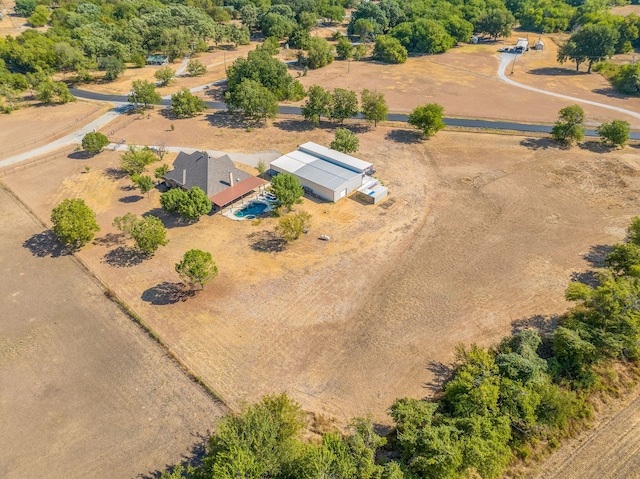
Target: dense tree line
{"x":501,"y":402}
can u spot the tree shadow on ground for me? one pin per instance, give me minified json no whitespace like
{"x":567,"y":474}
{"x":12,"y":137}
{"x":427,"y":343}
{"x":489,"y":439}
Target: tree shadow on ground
{"x":594,"y":146}
{"x":597,"y":255}
{"x":115,"y":173}
{"x":224,"y":119}
{"x":266,"y":242}
{"x":81,"y":155}
{"x":556,"y":71}
{"x":442,"y":373}
{"x":46,"y":244}
{"x":169,"y":220}
{"x":404,"y":136}
{"x":194,"y":458}
{"x":166,"y":293}
{"x":123,"y":257}
{"x":544,"y":144}
{"x":611,"y":92}
{"x":544,"y":325}
{"x":590,"y":278}
{"x":109,"y":240}
{"x":130,"y":199}
{"x":295,"y":125}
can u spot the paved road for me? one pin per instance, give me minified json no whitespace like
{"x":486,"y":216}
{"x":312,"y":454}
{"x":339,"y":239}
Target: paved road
{"x":402,"y":117}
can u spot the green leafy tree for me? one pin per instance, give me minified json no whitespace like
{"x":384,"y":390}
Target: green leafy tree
{"x":624,"y":260}
{"x":344,"y":49}
{"x":287,"y":190}
{"x":633,"y":231}
{"x":161,"y":171}
{"x":144,"y":92}
{"x":373,"y":106}
{"x":40,"y":16}
{"x":271,"y":45}
{"x":344,"y":104}
{"x":345,"y":141}
{"x":318,"y":104}
{"x":50,"y":92}
{"x":496,"y":22}
{"x":627,"y":79}
{"x":249,"y":14}
{"x":569,"y":126}
{"x":125,"y":223}
{"x":319,"y":52}
{"x":144,"y":184}
{"x":255,"y":101}
{"x":423,"y":36}
{"x":195,"y":68}
{"x":591,"y":44}
{"x":197,"y":268}
{"x":170,"y":200}
{"x":427,"y":118}
{"x":135,"y":159}
{"x":195,"y":204}
{"x":149,"y":234}
{"x":389,"y":50}
{"x":261,"y":167}
{"x":25,"y":8}
{"x":185,"y":104}
{"x":299,"y":38}
{"x":74,"y":223}
{"x":165,"y":75}
{"x":293,"y":225}
{"x":360,"y":52}
{"x":94,"y":142}
{"x":614,"y":133}
{"x":112,"y":66}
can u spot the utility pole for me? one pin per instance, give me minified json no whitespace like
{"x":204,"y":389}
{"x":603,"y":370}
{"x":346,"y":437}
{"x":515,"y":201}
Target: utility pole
{"x":513,"y":65}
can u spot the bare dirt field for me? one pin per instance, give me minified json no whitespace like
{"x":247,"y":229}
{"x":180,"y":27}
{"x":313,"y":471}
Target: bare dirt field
{"x":464,"y":80}
{"x":85,"y":393}
{"x":481,"y":232}
{"x":28,"y":128}
{"x":11,"y":24}
{"x":610,"y":450}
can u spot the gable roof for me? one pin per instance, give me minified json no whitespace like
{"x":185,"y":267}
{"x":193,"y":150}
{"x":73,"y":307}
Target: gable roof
{"x":209,"y":174}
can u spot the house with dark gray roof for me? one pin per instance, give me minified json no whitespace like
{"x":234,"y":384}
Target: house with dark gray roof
{"x":212,"y":175}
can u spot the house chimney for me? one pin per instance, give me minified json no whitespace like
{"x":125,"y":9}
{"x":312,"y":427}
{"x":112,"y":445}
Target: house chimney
{"x":230,"y":178}
{"x":184,"y":177}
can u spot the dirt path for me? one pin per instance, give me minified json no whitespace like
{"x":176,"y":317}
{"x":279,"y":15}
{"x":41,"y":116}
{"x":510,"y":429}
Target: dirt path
{"x":85,"y":393}
{"x":611,"y":450}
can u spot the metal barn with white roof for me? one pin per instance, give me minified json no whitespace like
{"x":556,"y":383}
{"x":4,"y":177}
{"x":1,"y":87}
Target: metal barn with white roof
{"x":326,"y":173}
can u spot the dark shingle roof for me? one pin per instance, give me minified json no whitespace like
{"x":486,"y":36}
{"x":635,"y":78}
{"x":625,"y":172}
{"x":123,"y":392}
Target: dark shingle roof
{"x":208,"y":174}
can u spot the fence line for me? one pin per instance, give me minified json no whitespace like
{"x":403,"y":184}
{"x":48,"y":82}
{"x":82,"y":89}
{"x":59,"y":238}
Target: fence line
{"x":124,"y":125}
{"x":53,"y":135}
{"x":38,"y":161}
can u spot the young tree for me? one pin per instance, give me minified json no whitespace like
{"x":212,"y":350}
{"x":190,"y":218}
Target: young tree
{"x":427,"y":118}
{"x":287,"y":190}
{"x":255,"y":101}
{"x":270,"y":45}
{"x":112,"y":66}
{"x":291,"y":226}
{"x":149,"y":234}
{"x":197,"y":268}
{"x":389,"y":50}
{"x":317,"y":105}
{"x":143,"y":91}
{"x":360,"y":52}
{"x":94,"y":142}
{"x":40,"y":16}
{"x":74,"y":223}
{"x":161,"y":171}
{"x":344,"y":105}
{"x":195,"y":68}
{"x":569,"y":126}
{"x":591,"y":43}
{"x":144,"y":184}
{"x":136,"y":159}
{"x":164,"y":75}
{"x":615,"y":133}
{"x":374,"y":106}
{"x":319,"y":52}
{"x":345,"y":141}
{"x":261,"y":167}
{"x":185,"y":104}
{"x":344,"y":49}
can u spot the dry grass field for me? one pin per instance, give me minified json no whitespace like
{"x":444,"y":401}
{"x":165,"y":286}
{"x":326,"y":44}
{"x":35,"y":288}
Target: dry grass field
{"x":481,"y":232}
{"x":85,"y":393}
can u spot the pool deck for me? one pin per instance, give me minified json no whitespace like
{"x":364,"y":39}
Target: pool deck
{"x":229,"y":212}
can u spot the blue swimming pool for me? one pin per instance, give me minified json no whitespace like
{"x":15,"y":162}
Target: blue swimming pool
{"x":252,"y":209}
